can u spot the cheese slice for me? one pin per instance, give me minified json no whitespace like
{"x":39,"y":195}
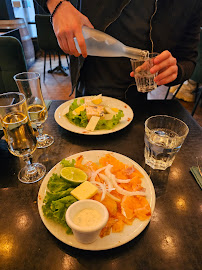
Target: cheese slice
{"x":65,"y":111}
{"x":109,"y":110}
{"x":108,"y":116}
{"x":86,"y":190}
{"x":92,"y":123}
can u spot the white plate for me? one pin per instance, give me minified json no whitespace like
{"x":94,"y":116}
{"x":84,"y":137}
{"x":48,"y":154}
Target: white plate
{"x":108,"y":101}
{"x":114,"y":239}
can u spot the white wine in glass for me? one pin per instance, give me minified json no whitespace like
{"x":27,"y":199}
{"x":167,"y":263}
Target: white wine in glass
{"x":29,"y":84}
{"x":19,"y":135}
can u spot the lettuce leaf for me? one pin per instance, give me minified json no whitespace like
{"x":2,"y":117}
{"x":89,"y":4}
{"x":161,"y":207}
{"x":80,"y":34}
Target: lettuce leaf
{"x":109,"y":124}
{"x":57,"y":200}
{"x":56,"y":196}
{"x":56,"y":183}
{"x":68,"y":163}
{"x":81,"y":120}
{"x":56,"y":209}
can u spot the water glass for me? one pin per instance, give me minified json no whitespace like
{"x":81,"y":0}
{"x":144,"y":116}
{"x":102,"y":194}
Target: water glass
{"x":164,"y":136}
{"x":143,"y":78}
{"x":29,"y":84}
{"x":19,"y":135}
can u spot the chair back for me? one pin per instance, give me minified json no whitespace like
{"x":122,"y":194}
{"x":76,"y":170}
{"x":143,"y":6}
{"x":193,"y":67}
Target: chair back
{"x":12,"y":61}
{"x":46,"y":37}
{"x":197,"y":74}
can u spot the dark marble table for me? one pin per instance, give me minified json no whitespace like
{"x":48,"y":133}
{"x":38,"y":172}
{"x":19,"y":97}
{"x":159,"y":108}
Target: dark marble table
{"x":170,"y":241}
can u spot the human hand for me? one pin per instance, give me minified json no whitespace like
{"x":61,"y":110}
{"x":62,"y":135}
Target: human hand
{"x":166,"y":67}
{"x":67,"y":24}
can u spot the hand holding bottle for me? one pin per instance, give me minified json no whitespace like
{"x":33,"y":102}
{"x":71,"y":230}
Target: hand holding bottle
{"x":67,"y":24}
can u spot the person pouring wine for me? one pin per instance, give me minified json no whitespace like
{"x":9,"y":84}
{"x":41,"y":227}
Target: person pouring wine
{"x":149,"y":25}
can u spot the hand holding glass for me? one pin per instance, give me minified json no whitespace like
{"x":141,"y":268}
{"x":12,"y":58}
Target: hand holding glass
{"x":19,"y":134}
{"x":164,"y":136}
{"x":29,"y":84}
{"x":143,"y":78}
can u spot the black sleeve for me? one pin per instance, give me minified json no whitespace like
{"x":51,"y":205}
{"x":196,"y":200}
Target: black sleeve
{"x":42,"y":4}
{"x":186,"y":52}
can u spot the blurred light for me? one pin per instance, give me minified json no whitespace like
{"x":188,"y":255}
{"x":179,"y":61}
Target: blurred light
{"x":168,"y":245}
{"x":156,"y":216}
{"x":175,"y":174}
{"x":6,"y":245}
{"x":23,"y":222}
{"x":69,"y":262}
{"x":181,"y":204}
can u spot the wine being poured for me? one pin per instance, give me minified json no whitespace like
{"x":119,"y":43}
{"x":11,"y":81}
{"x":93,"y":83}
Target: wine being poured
{"x":101,"y":44}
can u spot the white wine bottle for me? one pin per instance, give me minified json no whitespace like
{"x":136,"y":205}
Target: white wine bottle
{"x":101,"y":44}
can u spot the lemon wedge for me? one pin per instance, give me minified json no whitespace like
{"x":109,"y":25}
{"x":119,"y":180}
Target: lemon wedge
{"x":115,"y":110}
{"x":73,"y":175}
{"x":79,"y":109}
{"x":97,"y":99}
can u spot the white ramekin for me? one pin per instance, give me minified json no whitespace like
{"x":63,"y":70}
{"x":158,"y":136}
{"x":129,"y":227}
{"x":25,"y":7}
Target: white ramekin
{"x":86,"y":235}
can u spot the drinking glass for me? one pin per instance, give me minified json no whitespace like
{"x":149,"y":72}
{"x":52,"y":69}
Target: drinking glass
{"x":164,"y":136}
{"x":29,"y":84}
{"x":19,"y":134}
{"x":143,"y":78}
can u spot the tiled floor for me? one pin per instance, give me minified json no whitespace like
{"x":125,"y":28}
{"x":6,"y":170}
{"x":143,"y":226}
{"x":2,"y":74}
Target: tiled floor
{"x":58,"y":86}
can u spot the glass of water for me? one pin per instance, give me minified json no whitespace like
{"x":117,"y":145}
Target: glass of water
{"x":164,"y":136}
{"x":143,"y":78}
{"x":29,"y":84}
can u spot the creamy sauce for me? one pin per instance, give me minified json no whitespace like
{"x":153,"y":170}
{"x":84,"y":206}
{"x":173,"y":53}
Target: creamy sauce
{"x":87,"y":218}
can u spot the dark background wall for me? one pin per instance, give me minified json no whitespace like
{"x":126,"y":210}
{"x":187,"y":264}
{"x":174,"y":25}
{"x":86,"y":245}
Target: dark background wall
{"x":6,"y":10}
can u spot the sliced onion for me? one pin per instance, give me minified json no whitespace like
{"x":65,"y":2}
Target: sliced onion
{"x":126,"y":192}
{"x":103,"y":188}
{"x":95,"y":173}
{"x":107,"y":171}
{"x":122,"y":180}
{"x":113,"y":197}
{"x":118,"y":188}
{"x":106,"y":180}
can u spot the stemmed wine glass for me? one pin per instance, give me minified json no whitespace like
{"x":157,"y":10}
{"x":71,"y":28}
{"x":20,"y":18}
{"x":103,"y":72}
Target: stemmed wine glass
{"x":19,"y":134}
{"x":29,"y":84}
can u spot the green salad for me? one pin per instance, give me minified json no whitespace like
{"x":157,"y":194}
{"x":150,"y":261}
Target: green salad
{"x":81,"y":117}
{"x":58,"y":198}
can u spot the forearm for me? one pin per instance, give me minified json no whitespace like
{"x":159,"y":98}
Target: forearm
{"x":51,"y":4}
